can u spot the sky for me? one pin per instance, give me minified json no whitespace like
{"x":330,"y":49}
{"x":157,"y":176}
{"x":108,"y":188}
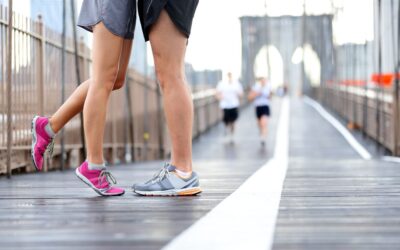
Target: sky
{"x":215,"y":41}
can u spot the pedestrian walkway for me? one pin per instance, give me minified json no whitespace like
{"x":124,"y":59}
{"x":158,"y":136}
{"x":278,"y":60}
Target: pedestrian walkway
{"x":332,"y":198}
{"x":56,"y":211}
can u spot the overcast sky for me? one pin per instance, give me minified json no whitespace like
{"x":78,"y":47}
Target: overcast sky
{"x":216,"y":42}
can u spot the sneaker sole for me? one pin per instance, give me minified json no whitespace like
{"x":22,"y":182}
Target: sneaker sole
{"x":174,"y":192}
{"x":34,"y":140}
{"x":87,"y":182}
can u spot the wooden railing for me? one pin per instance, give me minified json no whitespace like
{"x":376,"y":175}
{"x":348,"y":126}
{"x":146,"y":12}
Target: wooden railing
{"x":135,"y":126}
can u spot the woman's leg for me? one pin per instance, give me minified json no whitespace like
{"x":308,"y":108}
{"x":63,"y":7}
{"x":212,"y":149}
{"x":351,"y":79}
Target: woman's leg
{"x":74,"y":104}
{"x":106,"y":55}
{"x":169,"y":47}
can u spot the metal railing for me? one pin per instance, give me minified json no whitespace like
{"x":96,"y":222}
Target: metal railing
{"x":36,"y":89}
{"x":372,"y":111}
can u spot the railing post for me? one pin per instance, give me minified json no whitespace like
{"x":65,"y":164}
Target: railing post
{"x":83,"y":58}
{"x":146,"y":135}
{"x":114,"y":140}
{"x":196,"y":115}
{"x":63,"y":48}
{"x":131,"y":125}
{"x":41,"y":68}
{"x":395,"y":118}
{"x":200,"y":114}
{"x":78,"y":75}
{"x":207,"y":113}
{"x":160,"y":125}
{"x":41,"y":74}
{"x":9,"y":86}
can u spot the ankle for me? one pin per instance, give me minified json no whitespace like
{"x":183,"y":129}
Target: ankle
{"x":183,"y":167}
{"x":96,"y":166}
{"x":94,"y":159}
{"x":49,"y":130}
{"x":53,"y":124}
{"x":183,"y":174}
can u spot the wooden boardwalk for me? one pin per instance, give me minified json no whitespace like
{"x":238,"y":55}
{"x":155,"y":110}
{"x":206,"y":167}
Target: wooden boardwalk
{"x":56,"y":211}
{"x":331,"y":199}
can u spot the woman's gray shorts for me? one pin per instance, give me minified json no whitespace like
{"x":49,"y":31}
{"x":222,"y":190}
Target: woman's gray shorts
{"x":119,"y":16}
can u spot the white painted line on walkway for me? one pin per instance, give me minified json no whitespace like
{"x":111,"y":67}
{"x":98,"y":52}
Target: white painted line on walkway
{"x":335,"y":123}
{"x":391,"y":159}
{"x":245,"y":219}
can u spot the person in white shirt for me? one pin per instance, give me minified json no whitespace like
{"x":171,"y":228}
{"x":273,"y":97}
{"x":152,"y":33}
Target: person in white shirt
{"x":260,"y":94}
{"x":228,"y":94}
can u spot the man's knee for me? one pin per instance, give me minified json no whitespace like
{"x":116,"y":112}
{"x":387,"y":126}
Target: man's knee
{"x":169,"y":76}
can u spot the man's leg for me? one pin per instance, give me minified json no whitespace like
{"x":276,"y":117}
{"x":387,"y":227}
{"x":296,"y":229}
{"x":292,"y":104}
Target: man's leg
{"x":169,"y":47}
{"x":260,"y":126}
{"x":231,"y":126}
{"x":264,"y":124}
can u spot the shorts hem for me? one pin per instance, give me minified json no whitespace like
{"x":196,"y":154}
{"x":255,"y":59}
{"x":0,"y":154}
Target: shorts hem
{"x":178,"y":25}
{"x":146,"y":28}
{"x":89,"y":28}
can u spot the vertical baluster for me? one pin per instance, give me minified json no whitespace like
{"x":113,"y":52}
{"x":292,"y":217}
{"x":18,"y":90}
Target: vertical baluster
{"x":9,"y":86}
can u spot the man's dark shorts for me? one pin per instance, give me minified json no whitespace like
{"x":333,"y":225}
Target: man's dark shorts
{"x":262,"y":111}
{"x":119,"y":16}
{"x":230,"y":115}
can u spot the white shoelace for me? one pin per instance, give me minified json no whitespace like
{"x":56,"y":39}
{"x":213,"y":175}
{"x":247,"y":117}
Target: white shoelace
{"x":108,"y":177}
{"x":160,"y":175}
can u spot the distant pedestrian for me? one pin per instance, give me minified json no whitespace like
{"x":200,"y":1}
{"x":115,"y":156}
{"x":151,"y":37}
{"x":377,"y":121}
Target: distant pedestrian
{"x":229,"y":93}
{"x":260,"y":94}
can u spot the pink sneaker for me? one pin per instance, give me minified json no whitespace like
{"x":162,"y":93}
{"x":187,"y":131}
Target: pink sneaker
{"x":41,"y":141}
{"x":99,"y":180}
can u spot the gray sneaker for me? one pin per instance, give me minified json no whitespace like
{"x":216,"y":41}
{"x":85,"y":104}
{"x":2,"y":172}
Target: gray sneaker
{"x":167,"y":183}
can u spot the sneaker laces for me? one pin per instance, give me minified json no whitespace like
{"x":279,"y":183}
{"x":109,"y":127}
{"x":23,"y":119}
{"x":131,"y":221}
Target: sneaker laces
{"x":50,"y":147}
{"x":105,"y":175}
{"x":160,"y":175}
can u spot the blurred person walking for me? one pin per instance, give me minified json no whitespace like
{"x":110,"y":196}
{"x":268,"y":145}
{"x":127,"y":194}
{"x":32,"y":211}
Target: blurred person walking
{"x":260,"y":94}
{"x":229,"y":93}
{"x":166,"y":24}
